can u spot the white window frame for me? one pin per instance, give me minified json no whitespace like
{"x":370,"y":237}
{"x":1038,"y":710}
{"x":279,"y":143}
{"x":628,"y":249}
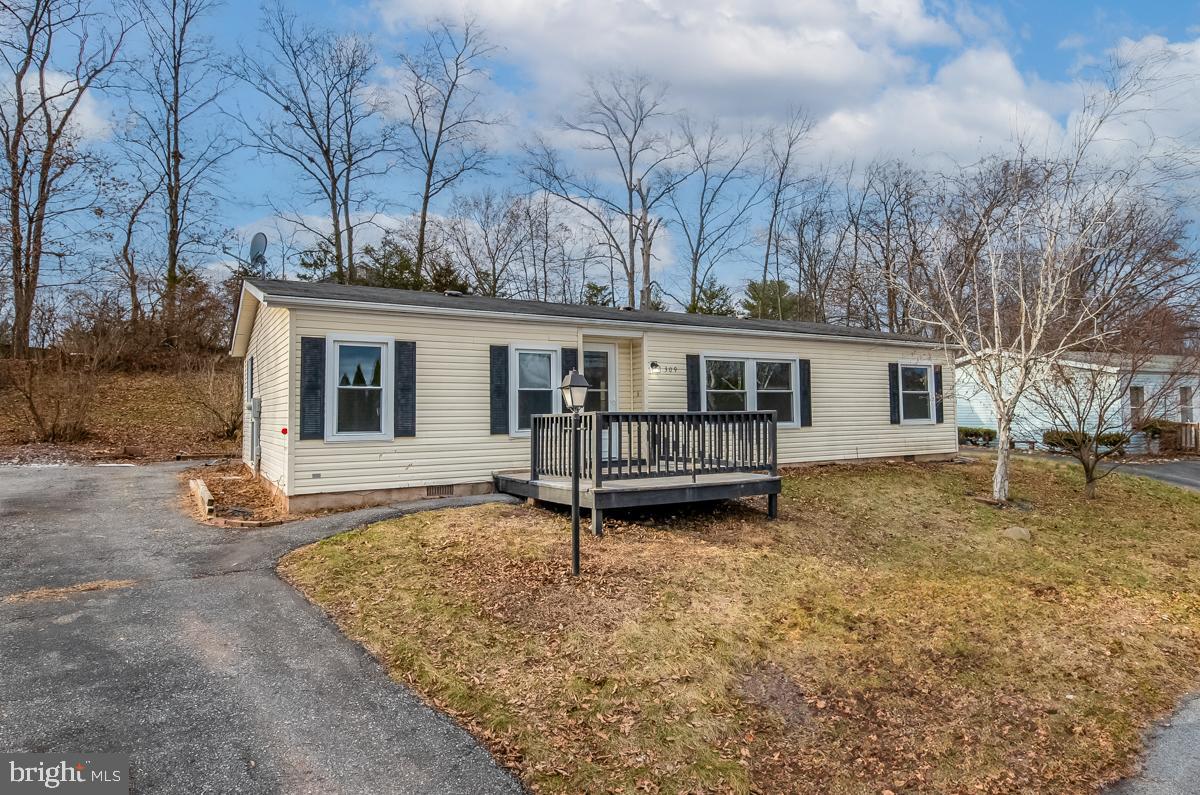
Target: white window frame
{"x":928,"y":367}
{"x":387,"y":430}
{"x":750,"y":378}
{"x":514,"y":374}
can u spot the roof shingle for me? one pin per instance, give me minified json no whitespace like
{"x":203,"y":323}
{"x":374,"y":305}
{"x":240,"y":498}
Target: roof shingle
{"x":324,"y":291}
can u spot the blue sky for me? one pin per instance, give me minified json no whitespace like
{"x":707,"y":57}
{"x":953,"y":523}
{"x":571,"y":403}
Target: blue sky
{"x":938,"y":79}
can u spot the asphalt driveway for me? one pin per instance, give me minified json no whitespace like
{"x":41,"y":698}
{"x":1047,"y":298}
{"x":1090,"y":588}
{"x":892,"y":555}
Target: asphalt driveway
{"x":1185,"y":473}
{"x":211,"y":672}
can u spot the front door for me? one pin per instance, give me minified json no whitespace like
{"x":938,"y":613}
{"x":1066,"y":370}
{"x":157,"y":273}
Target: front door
{"x":600,"y":370}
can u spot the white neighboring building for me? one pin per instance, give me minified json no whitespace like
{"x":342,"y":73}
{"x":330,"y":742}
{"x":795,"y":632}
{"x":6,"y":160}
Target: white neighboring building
{"x":1157,"y":384}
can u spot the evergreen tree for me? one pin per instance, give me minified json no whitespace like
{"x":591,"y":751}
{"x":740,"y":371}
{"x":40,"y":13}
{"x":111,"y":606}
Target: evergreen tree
{"x":713,"y":298}
{"x":771,"y":300}
{"x":597,"y":295}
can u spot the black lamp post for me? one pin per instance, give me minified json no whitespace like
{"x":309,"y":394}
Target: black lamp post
{"x":574,"y":392}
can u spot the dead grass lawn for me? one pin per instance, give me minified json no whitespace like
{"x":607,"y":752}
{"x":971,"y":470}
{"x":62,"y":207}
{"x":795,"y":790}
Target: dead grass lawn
{"x":883,"y":635}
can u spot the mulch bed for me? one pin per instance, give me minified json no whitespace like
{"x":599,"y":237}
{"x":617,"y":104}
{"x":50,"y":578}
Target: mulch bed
{"x":237,"y":494}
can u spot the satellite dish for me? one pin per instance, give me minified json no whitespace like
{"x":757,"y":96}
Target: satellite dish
{"x":258,"y":247}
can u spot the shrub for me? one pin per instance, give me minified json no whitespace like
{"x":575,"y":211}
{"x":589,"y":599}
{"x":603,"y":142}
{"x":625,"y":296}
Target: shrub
{"x":1115,"y":439}
{"x":54,"y":394}
{"x":1069,"y":441}
{"x":1072,"y":441}
{"x":979,"y":437}
{"x":216,"y":388}
{"x":1155,"y":427}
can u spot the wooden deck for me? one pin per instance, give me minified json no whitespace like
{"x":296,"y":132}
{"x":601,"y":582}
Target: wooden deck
{"x":640,"y":493}
{"x":639,"y":459}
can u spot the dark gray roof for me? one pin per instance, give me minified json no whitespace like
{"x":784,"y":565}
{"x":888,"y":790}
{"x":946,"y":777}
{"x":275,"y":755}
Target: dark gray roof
{"x":278,"y":288}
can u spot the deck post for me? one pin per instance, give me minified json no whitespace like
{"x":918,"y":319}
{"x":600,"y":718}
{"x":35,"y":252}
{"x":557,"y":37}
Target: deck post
{"x":535,"y":448}
{"x":773,"y":499}
{"x":597,"y":450}
{"x":597,"y":520}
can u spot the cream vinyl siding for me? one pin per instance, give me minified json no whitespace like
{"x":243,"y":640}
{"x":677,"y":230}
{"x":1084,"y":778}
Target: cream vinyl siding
{"x":269,"y":348}
{"x":453,"y":442}
{"x":850,"y":407}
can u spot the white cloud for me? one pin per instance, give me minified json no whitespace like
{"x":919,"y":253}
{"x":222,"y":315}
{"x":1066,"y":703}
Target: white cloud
{"x":89,"y":120}
{"x":974,"y":103}
{"x":749,"y":59}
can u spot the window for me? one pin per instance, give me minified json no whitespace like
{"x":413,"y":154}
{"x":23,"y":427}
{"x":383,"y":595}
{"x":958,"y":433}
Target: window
{"x":1186,"y":410}
{"x":1137,"y":399}
{"x":916,"y":393}
{"x":358,"y":402}
{"x":774,"y":389}
{"x":597,"y":368}
{"x":534,"y":385}
{"x":727,"y":386}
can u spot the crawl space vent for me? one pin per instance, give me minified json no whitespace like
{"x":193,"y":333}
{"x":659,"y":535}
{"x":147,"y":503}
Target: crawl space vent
{"x":439,"y":491}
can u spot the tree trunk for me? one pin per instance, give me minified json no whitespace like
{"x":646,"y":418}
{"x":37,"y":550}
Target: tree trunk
{"x":1003,"y":452}
{"x":22,"y":317}
{"x":1089,"y":460}
{"x":424,"y":219}
{"x":647,"y":248}
{"x":336,"y":220}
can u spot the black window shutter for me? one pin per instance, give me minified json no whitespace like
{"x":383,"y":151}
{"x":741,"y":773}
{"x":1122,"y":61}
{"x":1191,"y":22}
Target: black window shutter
{"x":312,"y":387}
{"x":894,"y":391}
{"x":937,"y":392}
{"x":249,"y":379}
{"x":570,"y":360}
{"x":404,"y":408}
{"x":805,"y":379}
{"x":499,"y":389}
{"x":693,"y":382}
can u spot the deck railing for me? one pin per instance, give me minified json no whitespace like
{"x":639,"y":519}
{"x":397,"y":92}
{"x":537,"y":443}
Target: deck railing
{"x":621,"y":445}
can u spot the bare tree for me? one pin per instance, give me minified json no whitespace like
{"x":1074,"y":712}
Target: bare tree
{"x":622,"y":117}
{"x":1089,"y":401}
{"x":1019,"y":307}
{"x":55,"y":53}
{"x":812,"y":238}
{"x":713,"y":206}
{"x":446,"y":121}
{"x":173,"y":140}
{"x":137,"y":196}
{"x":486,"y":232}
{"x":329,"y":122}
{"x":556,"y":251}
{"x":781,"y":177}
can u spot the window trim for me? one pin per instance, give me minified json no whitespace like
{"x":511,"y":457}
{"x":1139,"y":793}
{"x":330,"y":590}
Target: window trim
{"x":515,"y":349}
{"x":386,"y":377}
{"x":750,"y":379}
{"x":932,"y":392}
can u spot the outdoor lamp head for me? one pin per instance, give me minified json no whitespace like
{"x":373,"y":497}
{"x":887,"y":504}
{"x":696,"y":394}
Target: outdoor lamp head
{"x":574,"y":391}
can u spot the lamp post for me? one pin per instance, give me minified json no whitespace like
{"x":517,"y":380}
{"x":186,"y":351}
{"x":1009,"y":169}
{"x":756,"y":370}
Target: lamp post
{"x":574,"y":393}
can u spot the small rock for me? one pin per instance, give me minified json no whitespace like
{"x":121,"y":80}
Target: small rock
{"x":133,"y":452}
{"x":1017,"y":533}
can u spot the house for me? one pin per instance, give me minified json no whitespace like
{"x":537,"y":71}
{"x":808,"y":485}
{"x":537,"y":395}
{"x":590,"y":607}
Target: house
{"x":1091,"y":390}
{"x":361,"y":395}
